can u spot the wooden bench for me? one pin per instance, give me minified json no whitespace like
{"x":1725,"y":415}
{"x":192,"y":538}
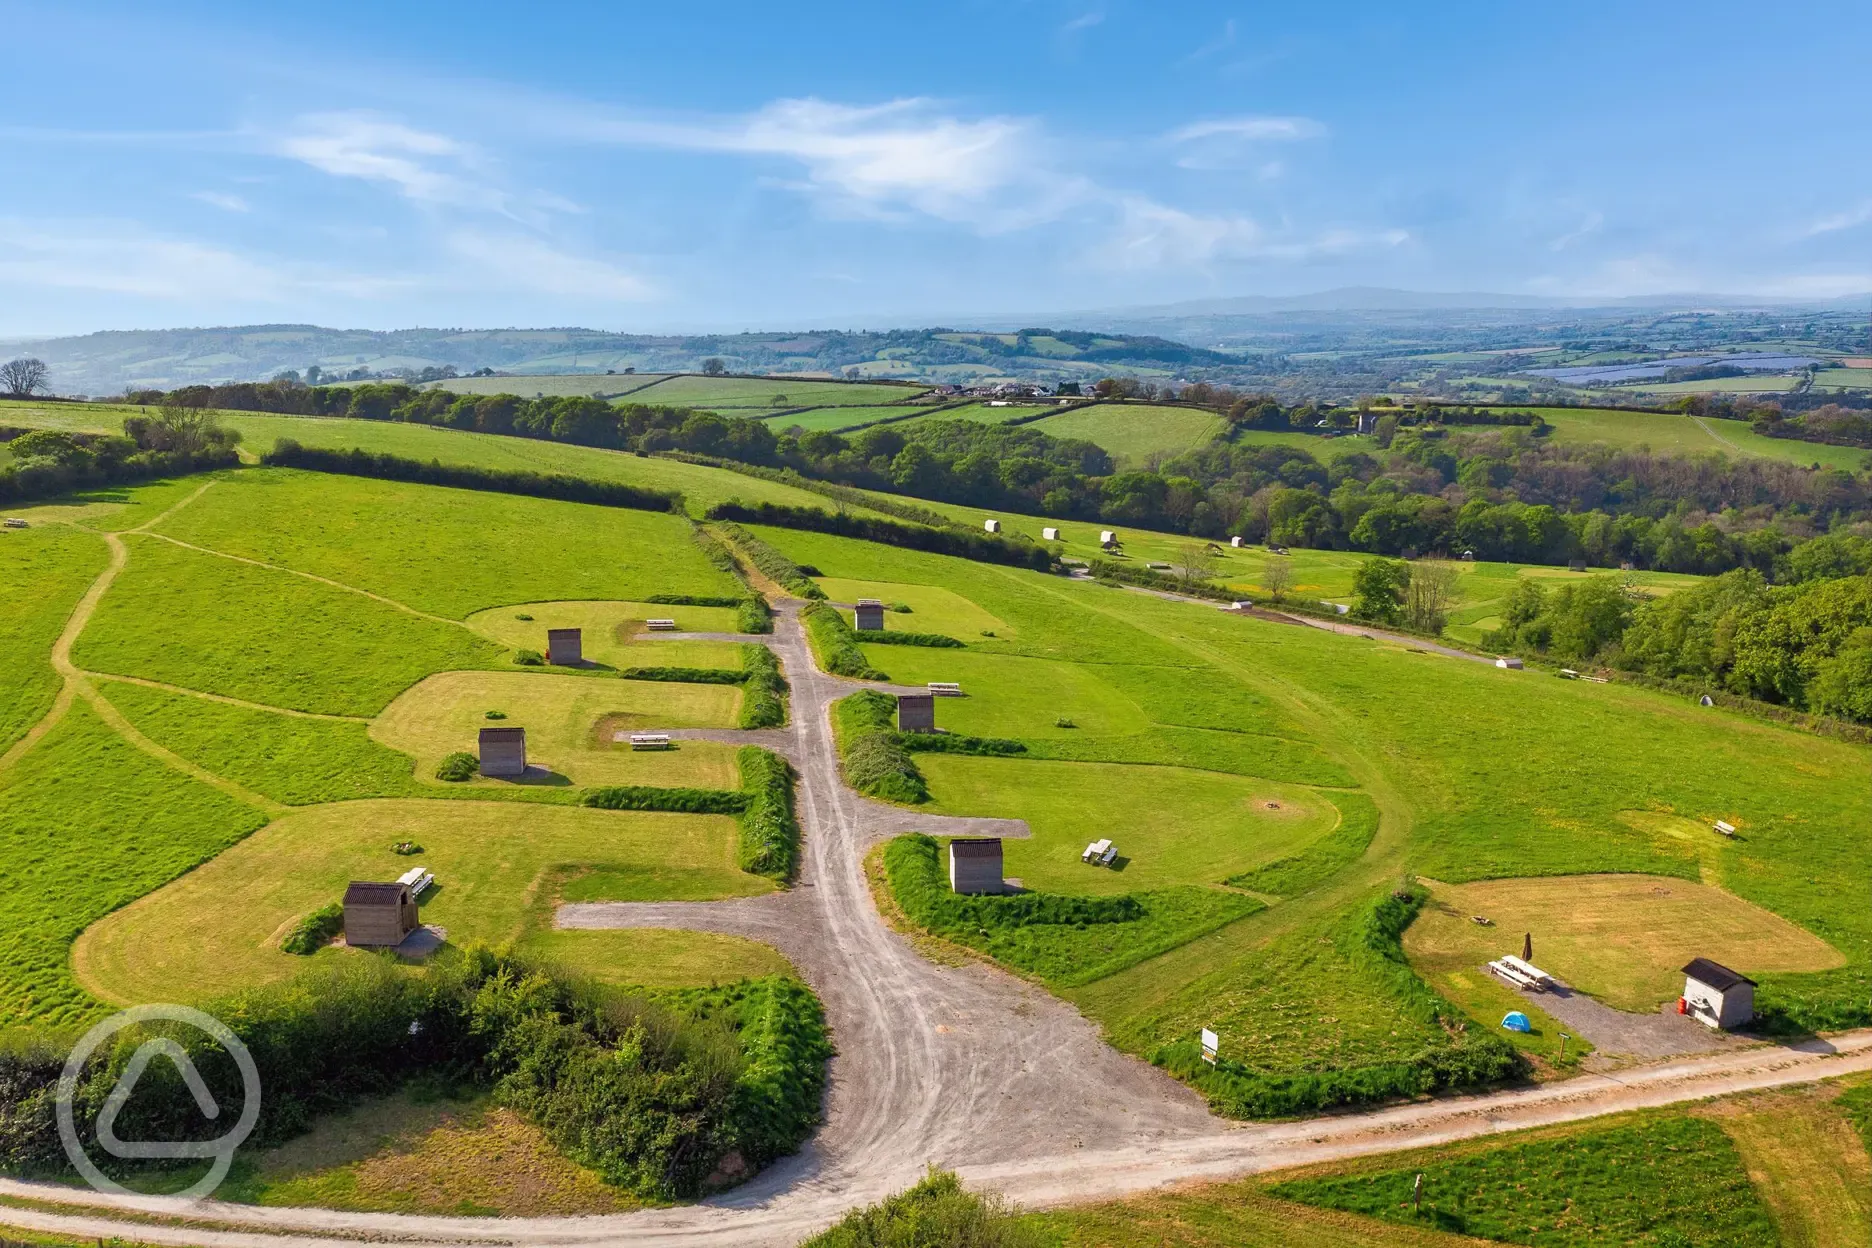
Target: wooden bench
{"x":660,"y":626}
{"x":649,"y":740}
{"x":945,"y":688}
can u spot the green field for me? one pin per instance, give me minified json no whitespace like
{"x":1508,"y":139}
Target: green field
{"x":43,"y":573}
{"x":736,"y":393}
{"x":552,"y":385}
{"x":834,"y":419}
{"x":1133,"y":433}
{"x":1478,"y":795}
{"x":987,"y":414}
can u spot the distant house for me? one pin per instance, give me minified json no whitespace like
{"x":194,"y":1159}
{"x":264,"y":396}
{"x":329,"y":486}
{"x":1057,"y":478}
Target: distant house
{"x":992,"y":526}
{"x":378,"y":915}
{"x":1716,"y":996}
{"x":1050,"y":534}
{"x":975,"y":865}
{"x":868,"y":615}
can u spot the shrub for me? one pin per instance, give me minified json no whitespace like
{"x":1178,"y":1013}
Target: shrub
{"x":649,"y":1092}
{"x":754,"y":615}
{"x":287,"y":453}
{"x":457,"y":767}
{"x":936,"y":1213}
{"x":967,"y":544}
{"x":529,"y":658}
{"x":696,"y":600}
{"x":770,"y":834}
{"x":406,"y":848}
{"x":891,"y":637}
{"x":948,"y":743}
{"x":763,"y":691}
{"x":681,"y":801}
{"x":685,"y":675}
{"x":835,"y":645}
{"x":315,"y":930}
{"x":875,"y":763}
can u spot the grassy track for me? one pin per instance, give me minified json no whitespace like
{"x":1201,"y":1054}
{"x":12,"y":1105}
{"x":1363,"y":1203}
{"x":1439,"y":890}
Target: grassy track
{"x":571,"y":723}
{"x":1806,"y":1163}
{"x":43,"y":573}
{"x":489,"y":859}
{"x":87,"y":824}
{"x":1133,"y":433}
{"x":390,"y":538}
{"x":264,"y":635}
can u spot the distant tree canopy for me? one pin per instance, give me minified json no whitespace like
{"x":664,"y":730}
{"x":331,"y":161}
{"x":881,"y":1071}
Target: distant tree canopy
{"x":23,"y":377}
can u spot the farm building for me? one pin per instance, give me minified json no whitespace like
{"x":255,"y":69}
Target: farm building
{"x":1107,"y":538}
{"x":503,"y":752}
{"x":993,"y":526}
{"x":916,"y":712}
{"x":564,"y":647}
{"x":378,"y":915}
{"x":1235,"y":542}
{"x":975,"y":865}
{"x":869,"y":615}
{"x":1716,"y":996}
{"x":1050,"y":534}
{"x":1508,"y":661}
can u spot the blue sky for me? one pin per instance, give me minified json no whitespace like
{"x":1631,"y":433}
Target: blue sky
{"x":724,"y":166}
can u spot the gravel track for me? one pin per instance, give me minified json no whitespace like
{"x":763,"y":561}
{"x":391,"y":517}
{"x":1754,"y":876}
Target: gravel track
{"x":961,"y":1066}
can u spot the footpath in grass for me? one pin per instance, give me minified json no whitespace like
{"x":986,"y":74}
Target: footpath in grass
{"x":87,"y":824}
{"x":44,"y":571}
{"x":261,"y":635}
{"x":1664,"y":1180}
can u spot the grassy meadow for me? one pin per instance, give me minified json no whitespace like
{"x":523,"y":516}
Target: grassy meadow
{"x":1133,"y":433}
{"x":735,"y":393}
{"x":835,"y":419}
{"x":44,"y":571}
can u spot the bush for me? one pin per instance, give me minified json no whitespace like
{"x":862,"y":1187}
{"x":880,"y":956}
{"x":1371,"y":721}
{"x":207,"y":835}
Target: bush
{"x":948,"y":743}
{"x":696,"y":600}
{"x":939,"y":541}
{"x":680,"y":801}
{"x":770,"y":834}
{"x":875,"y":763}
{"x":891,"y":637}
{"x":835,"y":645}
{"x":754,"y":615}
{"x":106,"y":462}
{"x":685,"y":675}
{"x":529,"y":658}
{"x":457,"y":767}
{"x":287,"y":453}
{"x":651,"y":1093}
{"x":936,"y":1213}
{"x":316,"y":930}
{"x":763,"y":691}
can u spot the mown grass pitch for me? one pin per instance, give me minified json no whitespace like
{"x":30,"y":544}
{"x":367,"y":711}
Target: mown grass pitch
{"x":933,"y":609}
{"x":1620,"y":938}
{"x":1011,"y":696}
{"x":264,"y":635}
{"x":1172,"y":825}
{"x":571,"y":722}
{"x":193,"y":939}
{"x":612,"y":634}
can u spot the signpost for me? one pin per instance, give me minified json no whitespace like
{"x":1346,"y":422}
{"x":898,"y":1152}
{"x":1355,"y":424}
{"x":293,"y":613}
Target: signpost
{"x":1210,"y":1043}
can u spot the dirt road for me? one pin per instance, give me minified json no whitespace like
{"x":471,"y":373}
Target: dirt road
{"x":964,"y":1067}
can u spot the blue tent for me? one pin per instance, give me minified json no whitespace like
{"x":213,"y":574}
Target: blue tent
{"x":1515,"y":1020}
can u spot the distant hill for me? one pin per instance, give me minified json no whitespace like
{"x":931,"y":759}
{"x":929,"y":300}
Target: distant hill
{"x":109,"y":362}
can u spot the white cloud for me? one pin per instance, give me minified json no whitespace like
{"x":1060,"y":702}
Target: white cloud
{"x":1589,"y":224}
{"x":1251,"y":129}
{"x":120,"y":258}
{"x":1817,"y":285}
{"x":422,"y":166}
{"x":1235,"y":142}
{"x":225,"y":202}
{"x":883,"y":158}
{"x":522,"y":262}
{"x":1221,"y":43}
{"x":1084,"y":21}
{"x":1847,"y":220}
{"x":1153,"y":235}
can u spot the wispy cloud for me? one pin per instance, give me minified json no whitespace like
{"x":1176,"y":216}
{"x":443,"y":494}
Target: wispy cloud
{"x":1235,"y":142}
{"x":1155,"y":235}
{"x":1588,"y":225}
{"x":1221,"y":43}
{"x":1850,"y":219}
{"x":521,"y":262}
{"x":221,"y":200}
{"x":1084,"y":21}
{"x":377,"y":149}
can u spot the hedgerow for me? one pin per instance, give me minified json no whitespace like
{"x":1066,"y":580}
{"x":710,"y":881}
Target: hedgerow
{"x":891,"y":637}
{"x":1372,"y":942}
{"x":835,"y":645}
{"x":949,"y":743}
{"x":752,"y":614}
{"x":967,"y":544}
{"x":685,"y":675}
{"x":874,"y":762}
{"x":770,"y":834}
{"x":315,"y":930}
{"x":649,"y":1092}
{"x":1065,"y":940}
{"x":696,"y":600}
{"x":287,"y":453}
{"x":681,"y":801}
{"x":776,"y":566}
{"x":763,"y":688}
